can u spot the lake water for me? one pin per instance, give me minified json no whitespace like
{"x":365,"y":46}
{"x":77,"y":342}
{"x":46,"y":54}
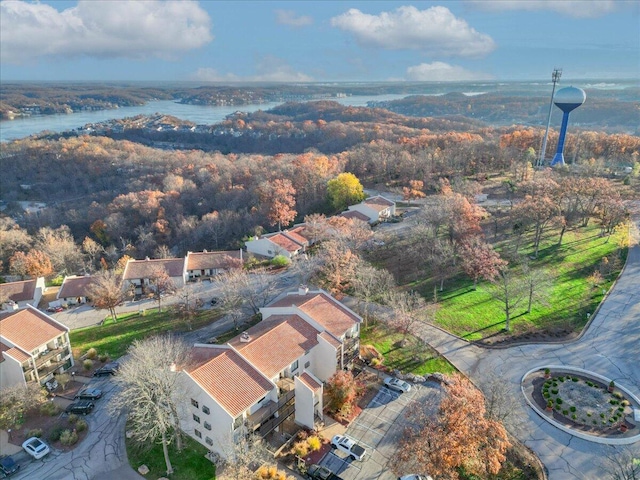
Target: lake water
{"x":22,"y":127}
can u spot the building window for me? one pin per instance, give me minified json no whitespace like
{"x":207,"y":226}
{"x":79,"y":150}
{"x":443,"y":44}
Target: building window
{"x":208,"y":440}
{"x":196,"y":418}
{"x":207,"y":425}
{"x":205,"y":409}
{"x":307,"y":364}
{"x":194,"y":403}
{"x":294,"y":366}
{"x":198,"y":433}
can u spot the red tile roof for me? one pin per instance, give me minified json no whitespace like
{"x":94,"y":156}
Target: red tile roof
{"x":18,"y":291}
{"x":228,"y":378}
{"x":310,"y":382}
{"x":379,"y":200}
{"x":75,"y":286}
{"x":210,"y":260}
{"x":355,"y":215}
{"x":333,"y":316}
{"x":17,"y":353}
{"x":295,"y":236}
{"x":275,"y":343}
{"x":146,"y":268}
{"x":285,"y":242}
{"x":29,"y":328}
{"x":331,"y":339}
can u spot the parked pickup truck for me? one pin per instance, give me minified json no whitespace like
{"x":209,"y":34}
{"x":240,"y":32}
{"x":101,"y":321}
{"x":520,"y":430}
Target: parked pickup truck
{"x":318,"y":472}
{"x":349,"y":446}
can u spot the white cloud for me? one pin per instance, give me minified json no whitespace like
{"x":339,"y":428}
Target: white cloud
{"x":571,"y":8}
{"x":443,"y":72}
{"x":434,"y":30}
{"x":102,"y":29}
{"x":269,"y":69}
{"x":288,"y":17}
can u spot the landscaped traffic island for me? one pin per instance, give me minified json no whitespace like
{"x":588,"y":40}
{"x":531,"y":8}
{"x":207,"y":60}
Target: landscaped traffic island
{"x":583,"y":403}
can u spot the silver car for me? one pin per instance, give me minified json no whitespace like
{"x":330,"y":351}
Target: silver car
{"x":36,"y":447}
{"x":397,"y":385}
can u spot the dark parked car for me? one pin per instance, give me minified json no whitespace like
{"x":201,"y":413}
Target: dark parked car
{"x":108,"y":369}
{"x":83,"y":407}
{"x":317,"y":472}
{"x":89,"y":394}
{"x":214,"y":301}
{"x":8,"y":466}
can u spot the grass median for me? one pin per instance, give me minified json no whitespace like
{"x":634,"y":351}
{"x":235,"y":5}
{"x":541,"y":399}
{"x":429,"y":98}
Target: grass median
{"x":113,"y":338}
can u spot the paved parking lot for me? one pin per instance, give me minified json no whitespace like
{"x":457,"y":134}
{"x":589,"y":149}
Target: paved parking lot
{"x":378,"y":429}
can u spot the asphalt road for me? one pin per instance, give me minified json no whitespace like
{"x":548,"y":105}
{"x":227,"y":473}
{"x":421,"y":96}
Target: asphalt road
{"x":101,"y":455}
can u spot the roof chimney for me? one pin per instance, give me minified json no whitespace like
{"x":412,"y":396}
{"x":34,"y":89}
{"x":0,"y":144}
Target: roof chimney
{"x":245,"y":338}
{"x":303,"y":290}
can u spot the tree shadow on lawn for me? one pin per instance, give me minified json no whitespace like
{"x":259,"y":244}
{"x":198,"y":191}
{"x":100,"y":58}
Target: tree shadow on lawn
{"x":500,"y":332}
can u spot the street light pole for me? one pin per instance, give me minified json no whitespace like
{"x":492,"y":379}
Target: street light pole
{"x":555,"y":77}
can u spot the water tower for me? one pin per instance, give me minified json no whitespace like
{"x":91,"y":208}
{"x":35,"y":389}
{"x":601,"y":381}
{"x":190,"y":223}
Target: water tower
{"x":567,"y":99}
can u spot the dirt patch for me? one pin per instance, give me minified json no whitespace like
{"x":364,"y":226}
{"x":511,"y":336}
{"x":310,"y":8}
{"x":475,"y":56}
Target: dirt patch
{"x":506,"y":339}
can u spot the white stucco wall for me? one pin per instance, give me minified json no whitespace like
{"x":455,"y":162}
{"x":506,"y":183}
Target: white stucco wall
{"x":265,"y":247}
{"x":304,"y":404}
{"x":220,"y":420}
{"x":323,"y":363}
{"x":11,"y":372}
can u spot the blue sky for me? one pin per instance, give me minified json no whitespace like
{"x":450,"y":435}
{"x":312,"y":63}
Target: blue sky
{"x":318,"y":41}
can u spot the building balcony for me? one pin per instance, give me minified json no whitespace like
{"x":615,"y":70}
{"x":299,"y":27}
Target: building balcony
{"x":264,"y":413}
{"x":44,"y":357}
{"x":52,"y":367}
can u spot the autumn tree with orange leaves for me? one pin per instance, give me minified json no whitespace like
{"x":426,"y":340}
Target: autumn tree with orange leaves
{"x":278,"y":199}
{"x":480,"y":260}
{"x":456,"y":434}
{"x":34,"y":264}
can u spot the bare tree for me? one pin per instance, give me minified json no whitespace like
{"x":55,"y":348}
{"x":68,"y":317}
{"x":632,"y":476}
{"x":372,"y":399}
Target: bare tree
{"x":63,"y":379}
{"x":370,"y":283}
{"x":407,"y":310}
{"x":537,"y":284}
{"x":161,"y":285}
{"x":243,"y":455}
{"x":305,"y":267}
{"x":150,"y":391}
{"x":106,"y":291}
{"x":240,"y":289}
{"x":509,"y":289}
{"x":622,"y":464}
{"x":18,"y":399}
{"x":92,"y":250}
{"x":188,"y":306}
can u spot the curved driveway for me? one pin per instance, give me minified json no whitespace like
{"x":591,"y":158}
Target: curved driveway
{"x":97,"y":456}
{"x":610,"y":346}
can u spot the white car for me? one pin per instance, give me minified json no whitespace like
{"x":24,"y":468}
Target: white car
{"x":36,"y":447}
{"x":348,"y":446}
{"x":415,"y":477}
{"x":397,"y":385}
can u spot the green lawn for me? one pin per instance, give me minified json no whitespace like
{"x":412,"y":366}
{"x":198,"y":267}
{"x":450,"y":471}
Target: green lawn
{"x":415,"y":357}
{"x":569,"y":297}
{"x":115,"y":337}
{"x":189,"y":464}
